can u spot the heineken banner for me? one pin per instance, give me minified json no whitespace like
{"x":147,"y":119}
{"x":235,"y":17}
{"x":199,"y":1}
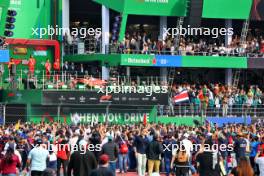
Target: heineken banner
{"x":124,"y":96}
{"x":183,"y":61}
{"x":138,"y":60}
{"x":115,"y":114}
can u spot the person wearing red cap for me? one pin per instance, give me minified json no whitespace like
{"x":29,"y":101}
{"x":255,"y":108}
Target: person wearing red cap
{"x":103,"y":169}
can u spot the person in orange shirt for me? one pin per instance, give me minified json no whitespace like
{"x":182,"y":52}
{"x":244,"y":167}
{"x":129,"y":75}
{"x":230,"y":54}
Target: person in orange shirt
{"x":31,"y":65}
{"x":48,"y":69}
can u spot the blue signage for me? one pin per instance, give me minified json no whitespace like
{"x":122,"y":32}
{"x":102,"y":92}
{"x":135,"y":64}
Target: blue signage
{"x":229,"y":120}
{"x":168,"y":61}
{"x":4,"y":56}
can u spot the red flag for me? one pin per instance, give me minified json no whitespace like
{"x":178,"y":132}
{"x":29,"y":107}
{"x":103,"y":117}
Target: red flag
{"x":181,"y":97}
{"x":145,"y":120}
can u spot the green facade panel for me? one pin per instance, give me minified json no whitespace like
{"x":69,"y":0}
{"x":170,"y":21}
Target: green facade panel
{"x":214,"y":62}
{"x":30,"y":14}
{"x":227,"y":9}
{"x":22,"y":97}
{"x":110,"y":59}
{"x":156,"y":7}
{"x":148,"y":7}
{"x":4,"y":5}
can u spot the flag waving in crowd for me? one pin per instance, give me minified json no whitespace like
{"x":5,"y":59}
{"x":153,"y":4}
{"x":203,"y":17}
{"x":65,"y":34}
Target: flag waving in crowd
{"x":181,"y":97}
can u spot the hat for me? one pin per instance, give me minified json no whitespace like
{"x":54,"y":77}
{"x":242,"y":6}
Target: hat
{"x":39,"y":141}
{"x":104,"y":159}
{"x":186,"y":135}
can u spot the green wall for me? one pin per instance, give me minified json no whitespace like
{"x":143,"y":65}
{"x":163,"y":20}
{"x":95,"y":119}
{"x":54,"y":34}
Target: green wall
{"x":214,"y":62}
{"x":4,"y":4}
{"x":111,"y":59}
{"x":148,"y":7}
{"x":224,"y":9}
{"x":30,"y":14}
{"x":188,"y":121}
{"x":227,"y":9}
{"x":22,"y":97}
{"x":159,"y":8}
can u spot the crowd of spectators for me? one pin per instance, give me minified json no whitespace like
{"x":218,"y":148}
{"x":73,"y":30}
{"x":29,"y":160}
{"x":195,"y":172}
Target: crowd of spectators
{"x":216,"y":100}
{"x":153,"y":148}
{"x":143,"y":44}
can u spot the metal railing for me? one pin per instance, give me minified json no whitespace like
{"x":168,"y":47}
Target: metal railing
{"x":73,"y":80}
{"x":192,"y":110}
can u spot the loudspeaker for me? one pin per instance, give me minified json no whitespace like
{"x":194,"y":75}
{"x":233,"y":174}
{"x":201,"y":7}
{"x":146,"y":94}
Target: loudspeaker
{"x":194,"y":15}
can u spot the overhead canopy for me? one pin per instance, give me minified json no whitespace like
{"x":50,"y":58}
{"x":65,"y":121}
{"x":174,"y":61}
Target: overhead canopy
{"x":227,"y":9}
{"x":147,"y":7}
{"x":222,"y":9}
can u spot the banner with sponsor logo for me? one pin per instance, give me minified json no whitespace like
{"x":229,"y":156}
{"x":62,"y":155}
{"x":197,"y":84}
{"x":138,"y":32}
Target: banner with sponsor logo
{"x":138,"y":60}
{"x":129,"y":97}
{"x":151,"y":60}
{"x":114,"y":114}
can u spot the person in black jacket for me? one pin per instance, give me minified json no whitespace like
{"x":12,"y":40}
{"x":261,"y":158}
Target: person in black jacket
{"x":95,"y":140}
{"x":103,"y":169}
{"x":154,"y":151}
{"x":111,"y":149}
{"x":82,"y":162}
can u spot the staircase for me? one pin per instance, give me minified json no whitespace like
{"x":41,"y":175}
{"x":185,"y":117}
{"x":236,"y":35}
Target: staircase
{"x":178,"y":37}
{"x":243,"y":40}
{"x":244,"y":33}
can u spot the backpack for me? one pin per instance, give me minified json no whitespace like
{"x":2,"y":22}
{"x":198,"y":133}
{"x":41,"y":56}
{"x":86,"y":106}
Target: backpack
{"x":123,"y":147}
{"x":182,"y":157}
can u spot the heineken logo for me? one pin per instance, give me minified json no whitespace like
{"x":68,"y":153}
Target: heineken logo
{"x":138,"y":61}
